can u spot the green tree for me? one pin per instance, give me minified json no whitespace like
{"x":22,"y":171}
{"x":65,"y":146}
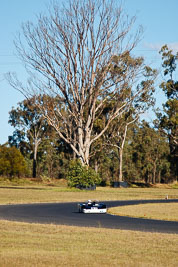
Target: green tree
{"x":115,"y":136}
{"x":82,"y":177}
{"x":169,"y":117}
{"x":130,"y":171}
{"x":12,"y":163}
{"x":54,"y":156}
{"x":30,"y":126}
{"x":150,"y":153}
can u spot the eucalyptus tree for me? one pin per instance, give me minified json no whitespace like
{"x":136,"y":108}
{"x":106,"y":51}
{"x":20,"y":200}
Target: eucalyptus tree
{"x":115,"y":136}
{"x":150,"y":152}
{"x":72,"y":55}
{"x":30,"y":127}
{"x":169,"y":117}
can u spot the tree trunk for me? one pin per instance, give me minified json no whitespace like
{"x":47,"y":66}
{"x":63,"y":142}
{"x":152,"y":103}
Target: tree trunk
{"x":36,"y":143}
{"x":74,"y":155}
{"x":96,"y":166}
{"x":159,"y":177}
{"x":146,"y":177}
{"x":34,"y":168}
{"x":84,"y":145}
{"x":120,"y":164}
{"x":121,"y":148}
{"x":154,"y":173}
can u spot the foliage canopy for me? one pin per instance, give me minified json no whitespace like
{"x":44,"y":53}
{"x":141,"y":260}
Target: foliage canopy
{"x":12,"y":163}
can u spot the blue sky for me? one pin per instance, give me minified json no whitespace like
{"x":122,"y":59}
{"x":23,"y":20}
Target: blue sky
{"x":158,"y":18}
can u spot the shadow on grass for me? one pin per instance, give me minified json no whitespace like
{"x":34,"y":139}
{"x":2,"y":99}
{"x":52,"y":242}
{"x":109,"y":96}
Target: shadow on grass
{"x":142,"y":185}
{"x":25,"y":188}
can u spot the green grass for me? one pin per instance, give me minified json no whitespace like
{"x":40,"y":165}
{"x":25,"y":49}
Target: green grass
{"x":27,"y":245}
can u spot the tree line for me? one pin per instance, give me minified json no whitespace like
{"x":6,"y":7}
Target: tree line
{"x":86,"y":93}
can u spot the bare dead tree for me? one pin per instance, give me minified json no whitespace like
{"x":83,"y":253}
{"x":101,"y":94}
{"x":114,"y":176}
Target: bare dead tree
{"x":72,"y":55}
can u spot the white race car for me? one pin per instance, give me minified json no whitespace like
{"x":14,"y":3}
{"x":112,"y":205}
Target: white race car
{"x":92,"y":207}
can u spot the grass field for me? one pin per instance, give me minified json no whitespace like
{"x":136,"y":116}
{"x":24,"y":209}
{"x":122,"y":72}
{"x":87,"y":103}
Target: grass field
{"x":161,"y":211}
{"x":49,"y":245}
{"x":20,"y":192}
{"x":23,"y":244}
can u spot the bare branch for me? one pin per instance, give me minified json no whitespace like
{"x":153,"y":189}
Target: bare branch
{"x":73,"y":52}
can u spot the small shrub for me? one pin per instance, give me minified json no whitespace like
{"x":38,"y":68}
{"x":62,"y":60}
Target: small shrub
{"x":81,"y":176}
{"x":45,"y":179}
{"x":12,"y":163}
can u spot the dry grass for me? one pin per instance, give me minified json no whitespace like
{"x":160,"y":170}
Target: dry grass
{"x":25,"y":244}
{"x":159,"y":211}
{"x":10,"y":194}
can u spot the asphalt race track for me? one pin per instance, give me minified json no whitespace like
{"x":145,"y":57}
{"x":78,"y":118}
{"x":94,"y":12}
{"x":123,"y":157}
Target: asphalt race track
{"x":67,"y":214}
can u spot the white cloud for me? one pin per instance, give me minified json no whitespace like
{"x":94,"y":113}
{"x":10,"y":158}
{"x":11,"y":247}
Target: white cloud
{"x":157,"y":46}
{"x":173,"y":46}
